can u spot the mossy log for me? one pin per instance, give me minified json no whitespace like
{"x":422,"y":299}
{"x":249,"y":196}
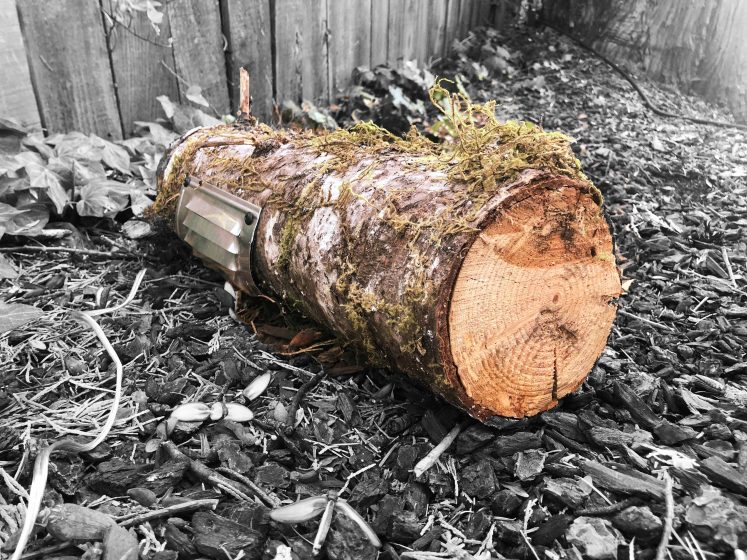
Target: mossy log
{"x":492,"y":284}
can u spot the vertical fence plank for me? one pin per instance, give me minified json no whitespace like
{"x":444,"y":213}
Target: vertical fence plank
{"x":301,"y":50}
{"x":16,"y":95}
{"x":482,"y":13}
{"x":451,"y":31}
{"x":198,"y":49}
{"x":70,"y":66}
{"x":140,"y":58}
{"x":465,"y":17}
{"x":379,"y":31}
{"x":247,"y":26}
{"x":349,"y":25}
{"x":408,"y":31}
{"x":437,"y":16}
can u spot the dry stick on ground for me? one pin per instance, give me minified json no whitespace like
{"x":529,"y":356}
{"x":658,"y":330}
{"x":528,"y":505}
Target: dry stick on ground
{"x":298,"y":397}
{"x":74,"y":250}
{"x":666,"y":534}
{"x":261,"y":494}
{"x":494,"y":286}
{"x":138,"y":518}
{"x":608,"y":510}
{"x":429,"y":460}
{"x":47,"y":551}
{"x":206,"y":474}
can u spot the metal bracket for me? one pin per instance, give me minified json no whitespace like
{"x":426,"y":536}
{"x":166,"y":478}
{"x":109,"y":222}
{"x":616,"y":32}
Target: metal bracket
{"x":219,"y":227}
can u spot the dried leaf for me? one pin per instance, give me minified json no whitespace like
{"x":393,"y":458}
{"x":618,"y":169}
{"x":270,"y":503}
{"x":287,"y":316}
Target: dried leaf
{"x":236,"y":412}
{"x":300,"y":511}
{"x":136,"y":229}
{"x":191,"y":412}
{"x":8,"y":269}
{"x":16,"y":315}
{"x":115,"y":157}
{"x":257,"y":386}
{"x":24,"y":220}
{"x":120,"y":544}
{"x":194,"y":94}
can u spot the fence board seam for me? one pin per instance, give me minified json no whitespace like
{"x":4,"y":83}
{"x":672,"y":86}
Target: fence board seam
{"x":107,"y":39}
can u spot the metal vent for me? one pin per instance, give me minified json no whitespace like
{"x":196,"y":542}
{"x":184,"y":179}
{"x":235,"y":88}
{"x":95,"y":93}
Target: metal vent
{"x":220,"y":229}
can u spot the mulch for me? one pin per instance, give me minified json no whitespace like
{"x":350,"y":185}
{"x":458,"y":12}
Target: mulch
{"x":655,"y":440}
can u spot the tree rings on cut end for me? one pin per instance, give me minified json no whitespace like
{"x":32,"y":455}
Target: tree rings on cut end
{"x":532,"y":305}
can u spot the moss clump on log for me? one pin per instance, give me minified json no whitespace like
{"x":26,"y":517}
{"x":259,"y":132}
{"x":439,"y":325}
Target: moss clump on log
{"x":367,"y":233}
{"x":482,"y":153}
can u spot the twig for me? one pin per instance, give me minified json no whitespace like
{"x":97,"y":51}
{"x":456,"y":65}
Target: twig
{"x":261,"y":494}
{"x":245,"y":96}
{"x":129,"y":521}
{"x":47,"y":551}
{"x":206,"y":474}
{"x":305,"y":388}
{"x":644,"y":320}
{"x":727,"y":262}
{"x":666,"y":534}
{"x":127,"y":300}
{"x":74,"y":250}
{"x":132,"y":32}
{"x":607,"y":510}
{"x":429,"y":460}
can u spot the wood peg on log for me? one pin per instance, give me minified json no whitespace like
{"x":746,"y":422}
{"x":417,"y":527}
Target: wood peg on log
{"x":245,"y":95}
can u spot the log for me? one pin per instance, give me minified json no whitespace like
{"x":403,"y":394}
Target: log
{"x":482,"y":267}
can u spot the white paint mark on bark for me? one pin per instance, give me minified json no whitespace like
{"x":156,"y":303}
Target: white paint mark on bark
{"x":272,"y":248}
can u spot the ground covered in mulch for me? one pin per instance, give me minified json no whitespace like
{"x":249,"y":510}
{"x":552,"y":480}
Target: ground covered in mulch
{"x":655,"y":439}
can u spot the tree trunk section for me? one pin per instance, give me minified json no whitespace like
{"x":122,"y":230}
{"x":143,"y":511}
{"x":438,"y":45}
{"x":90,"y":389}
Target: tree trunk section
{"x":499,"y":303}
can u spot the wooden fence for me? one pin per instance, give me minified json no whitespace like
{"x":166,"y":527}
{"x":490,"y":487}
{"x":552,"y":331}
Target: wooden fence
{"x":697,"y":46}
{"x":91,"y":72}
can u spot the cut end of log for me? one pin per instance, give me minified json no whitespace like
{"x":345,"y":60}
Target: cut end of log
{"x":532,"y":304}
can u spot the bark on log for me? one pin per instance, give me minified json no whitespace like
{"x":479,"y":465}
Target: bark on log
{"x":499,"y":299}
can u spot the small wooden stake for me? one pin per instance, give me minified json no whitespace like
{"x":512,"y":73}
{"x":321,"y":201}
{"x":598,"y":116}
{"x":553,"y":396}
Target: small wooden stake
{"x":245,"y":97}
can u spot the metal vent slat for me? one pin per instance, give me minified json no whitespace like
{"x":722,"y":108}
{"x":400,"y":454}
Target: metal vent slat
{"x":217,"y":253}
{"x":207,"y":230}
{"x":218,"y":215}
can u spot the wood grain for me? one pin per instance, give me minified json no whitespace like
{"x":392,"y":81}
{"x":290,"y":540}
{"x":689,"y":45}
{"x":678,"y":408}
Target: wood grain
{"x":198,"y":50}
{"x":465,"y":17}
{"x":379,"y":31}
{"x":408,"y":31}
{"x":139,"y":59}
{"x":530,"y":312}
{"x":17,"y":99}
{"x":451,"y":31}
{"x":301,"y":50}
{"x":482,"y":13}
{"x":70,"y":66}
{"x":247,"y":27}
{"x":349,"y":25}
{"x":436,"y":13}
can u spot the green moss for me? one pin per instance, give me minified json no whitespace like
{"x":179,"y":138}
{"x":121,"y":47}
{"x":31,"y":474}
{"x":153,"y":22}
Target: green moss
{"x":481,"y":153}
